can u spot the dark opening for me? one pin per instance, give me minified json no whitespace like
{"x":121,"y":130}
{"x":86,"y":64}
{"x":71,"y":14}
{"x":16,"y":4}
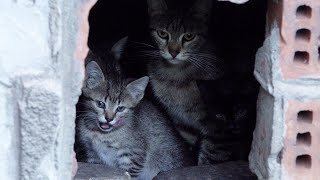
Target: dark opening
{"x":304,"y":139}
{"x":304,"y":11}
{"x":305,"y":116}
{"x":303,"y":34}
{"x":237,"y":31}
{"x":304,"y":161}
{"x":301,"y":57}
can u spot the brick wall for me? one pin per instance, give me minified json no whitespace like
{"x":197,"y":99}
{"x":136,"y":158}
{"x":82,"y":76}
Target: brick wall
{"x":287,"y":67}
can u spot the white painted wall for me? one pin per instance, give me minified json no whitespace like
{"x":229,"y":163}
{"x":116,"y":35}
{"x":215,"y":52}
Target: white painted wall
{"x":40,"y":81}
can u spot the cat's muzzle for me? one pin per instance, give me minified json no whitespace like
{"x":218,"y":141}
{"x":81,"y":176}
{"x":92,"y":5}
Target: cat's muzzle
{"x":110,"y":125}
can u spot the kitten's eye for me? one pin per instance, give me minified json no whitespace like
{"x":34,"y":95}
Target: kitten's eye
{"x":120,"y":109}
{"x":163,"y":34}
{"x":189,"y":37}
{"x":101,"y":104}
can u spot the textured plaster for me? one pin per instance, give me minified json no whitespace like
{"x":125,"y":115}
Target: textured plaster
{"x":40,"y":79}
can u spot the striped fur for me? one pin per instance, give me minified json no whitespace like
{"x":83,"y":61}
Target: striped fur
{"x":144,"y":145}
{"x":177,"y":62}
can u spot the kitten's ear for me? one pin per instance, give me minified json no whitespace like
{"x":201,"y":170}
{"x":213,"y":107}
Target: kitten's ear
{"x":136,"y":88}
{"x":118,"y":48}
{"x":156,"y":7}
{"x":94,"y":76}
{"x":202,"y":9}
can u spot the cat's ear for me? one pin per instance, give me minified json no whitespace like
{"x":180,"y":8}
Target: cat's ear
{"x":156,"y":7}
{"x":202,"y":9}
{"x":137,"y":88}
{"x":94,"y":75}
{"x":118,"y":48}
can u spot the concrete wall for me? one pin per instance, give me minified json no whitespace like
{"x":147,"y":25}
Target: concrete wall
{"x":41,"y":71}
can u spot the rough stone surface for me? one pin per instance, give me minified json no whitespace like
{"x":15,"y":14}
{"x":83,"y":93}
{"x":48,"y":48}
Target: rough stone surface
{"x":88,"y":171}
{"x":227,"y":171}
{"x":280,"y":147}
{"x":41,"y":72}
{"x":266,"y":145}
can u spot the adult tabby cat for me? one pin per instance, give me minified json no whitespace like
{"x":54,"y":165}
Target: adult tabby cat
{"x":116,"y":126}
{"x":182,"y":54}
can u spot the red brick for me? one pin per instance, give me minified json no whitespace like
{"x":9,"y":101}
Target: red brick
{"x":300,"y":156}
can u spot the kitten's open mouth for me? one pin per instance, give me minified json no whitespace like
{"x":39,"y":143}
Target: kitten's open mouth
{"x":105,"y":126}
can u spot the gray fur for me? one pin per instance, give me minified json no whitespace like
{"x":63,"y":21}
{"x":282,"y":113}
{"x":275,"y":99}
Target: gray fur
{"x":156,"y":7}
{"x":178,"y":62}
{"x":94,"y":76}
{"x":202,"y":9}
{"x":118,"y":48}
{"x":143,"y":145}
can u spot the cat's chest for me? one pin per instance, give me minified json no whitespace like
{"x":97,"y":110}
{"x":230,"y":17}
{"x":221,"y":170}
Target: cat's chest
{"x":117,"y":153}
{"x":171,"y":93}
{"x":106,"y":153}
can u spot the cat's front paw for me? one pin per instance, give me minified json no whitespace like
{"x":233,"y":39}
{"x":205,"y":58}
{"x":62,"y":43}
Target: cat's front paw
{"x":210,"y":153}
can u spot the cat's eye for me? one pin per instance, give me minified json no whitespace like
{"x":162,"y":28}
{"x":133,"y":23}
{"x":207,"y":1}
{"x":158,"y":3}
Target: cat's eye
{"x":101,"y":104}
{"x":163,"y":34}
{"x":120,"y":109}
{"x":189,"y":37}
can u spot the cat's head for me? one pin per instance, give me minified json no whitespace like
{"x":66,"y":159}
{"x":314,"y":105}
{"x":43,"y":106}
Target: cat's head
{"x":178,"y":35}
{"x":108,"y":104}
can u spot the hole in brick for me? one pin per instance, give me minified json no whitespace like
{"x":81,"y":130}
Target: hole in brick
{"x":304,"y":139}
{"x":305,"y":116}
{"x":303,"y":34}
{"x":303,"y":161}
{"x":304,"y":11}
{"x":301,"y":57}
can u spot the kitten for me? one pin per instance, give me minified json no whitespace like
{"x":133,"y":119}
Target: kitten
{"x":181,"y":55}
{"x":232,"y":105}
{"x":121,"y":129}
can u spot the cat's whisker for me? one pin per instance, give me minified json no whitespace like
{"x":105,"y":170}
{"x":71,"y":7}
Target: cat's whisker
{"x":201,"y":66}
{"x":143,"y":44}
{"x":205,"y":63}
{"x":208,"y":56}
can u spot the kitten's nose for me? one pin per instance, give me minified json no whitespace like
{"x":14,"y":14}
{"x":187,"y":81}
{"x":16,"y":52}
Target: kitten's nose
{"x":174,"y":50}
{"x":109,"y":116}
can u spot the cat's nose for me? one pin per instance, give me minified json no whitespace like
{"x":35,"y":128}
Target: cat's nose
{"x":174,"y":50}
{"x":174,"y":53}
{"x":109,"y":120}
{"x":109,"y":116}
